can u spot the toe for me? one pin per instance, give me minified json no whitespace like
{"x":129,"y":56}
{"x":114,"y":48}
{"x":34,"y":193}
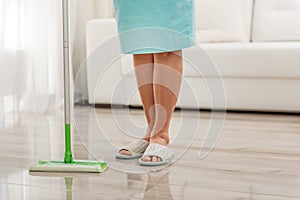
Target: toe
{"x":125,"y":152}
{"x":147,"y":159}
{"x":154,"y":159}
{"x":159,"y":159}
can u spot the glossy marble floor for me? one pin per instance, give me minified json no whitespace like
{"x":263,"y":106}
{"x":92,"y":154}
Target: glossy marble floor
{"x":257,"y":156}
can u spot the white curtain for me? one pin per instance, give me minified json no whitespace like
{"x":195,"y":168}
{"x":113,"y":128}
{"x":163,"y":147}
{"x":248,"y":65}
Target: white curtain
{"x":31,"y":70}
{"x":30,"y":54}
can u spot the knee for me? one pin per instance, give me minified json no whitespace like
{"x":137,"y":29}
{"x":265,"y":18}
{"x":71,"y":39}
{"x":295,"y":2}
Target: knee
{"x":167,"y":55}
{"x":163,"y":54}
{"x":142,"y":56}
{"x":140,"y":59}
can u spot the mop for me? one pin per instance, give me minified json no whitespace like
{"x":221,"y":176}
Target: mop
{"x":68,"y":165}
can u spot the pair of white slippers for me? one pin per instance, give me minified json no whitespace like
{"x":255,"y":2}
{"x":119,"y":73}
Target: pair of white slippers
{"x":140,"y":148}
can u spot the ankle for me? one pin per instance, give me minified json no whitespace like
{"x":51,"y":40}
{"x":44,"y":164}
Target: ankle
{"x":160,"y":138}
{"x":147,"y":138}
{"x":148,"y":133}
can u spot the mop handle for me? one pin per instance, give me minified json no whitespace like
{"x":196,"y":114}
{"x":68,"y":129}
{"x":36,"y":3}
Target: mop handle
{"x":66,"y":62}
{"x":67,"y":99}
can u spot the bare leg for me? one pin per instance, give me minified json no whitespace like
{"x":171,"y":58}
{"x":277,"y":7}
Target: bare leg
{"x":167,"y":81}
{"x":143,"y":64}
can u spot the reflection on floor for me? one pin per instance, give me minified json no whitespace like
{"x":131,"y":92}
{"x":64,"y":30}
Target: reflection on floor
{"x":256,"y":157}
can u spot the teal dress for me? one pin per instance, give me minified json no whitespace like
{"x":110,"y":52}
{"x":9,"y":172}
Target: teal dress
{"x":153,"y":26}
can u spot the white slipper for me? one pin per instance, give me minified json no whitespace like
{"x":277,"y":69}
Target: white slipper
{"x":165,"y":154}
{"x":136,"y":148}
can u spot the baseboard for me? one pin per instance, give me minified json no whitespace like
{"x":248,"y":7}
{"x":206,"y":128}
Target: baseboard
{"x":109,"y":106}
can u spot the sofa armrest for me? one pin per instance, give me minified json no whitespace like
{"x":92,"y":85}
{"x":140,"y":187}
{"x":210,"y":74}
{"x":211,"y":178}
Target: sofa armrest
{"x":98,"y":31}
{"x":103,"y":72}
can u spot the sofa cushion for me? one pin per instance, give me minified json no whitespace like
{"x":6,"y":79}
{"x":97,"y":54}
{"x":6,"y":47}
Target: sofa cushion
{"x":276,"y":20}
{"x":248,"y":60}
{"x":223,"y":20}
{"x":254,"y":60}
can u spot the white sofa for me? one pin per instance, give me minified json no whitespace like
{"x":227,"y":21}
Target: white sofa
{"x":254,"y":44}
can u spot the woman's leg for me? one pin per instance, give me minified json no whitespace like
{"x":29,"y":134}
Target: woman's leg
{"x":167,"y":81}
{"x":143,"y":64}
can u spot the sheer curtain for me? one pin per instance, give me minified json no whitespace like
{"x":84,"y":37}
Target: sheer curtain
{"x":30,"y":55}
{"x":31,"y":70}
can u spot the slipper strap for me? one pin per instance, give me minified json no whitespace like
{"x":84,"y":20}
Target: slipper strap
{"x":164,"y":152}
{"x":137,"y":146}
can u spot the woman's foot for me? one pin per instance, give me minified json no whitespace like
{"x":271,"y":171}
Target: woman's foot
{"x":128,"y":153}
{"x":160,"y":138}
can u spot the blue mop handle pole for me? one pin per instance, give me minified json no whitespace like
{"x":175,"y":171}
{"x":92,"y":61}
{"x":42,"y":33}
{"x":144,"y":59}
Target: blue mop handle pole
{"x":67,"y":100}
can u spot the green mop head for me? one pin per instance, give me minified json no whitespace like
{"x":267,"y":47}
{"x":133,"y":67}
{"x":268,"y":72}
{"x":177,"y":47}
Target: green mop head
{"x":83,"y":166}
{"x":69,"y":165}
